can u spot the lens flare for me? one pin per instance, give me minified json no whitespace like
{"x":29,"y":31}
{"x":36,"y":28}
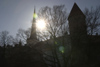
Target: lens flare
{"x":35,"y":15}
{"x":61,"y":49}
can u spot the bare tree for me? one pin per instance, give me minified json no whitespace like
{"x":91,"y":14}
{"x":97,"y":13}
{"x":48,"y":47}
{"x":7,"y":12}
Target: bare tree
{"x":10,"y":40}
{"x":3,"y":42}
{"x":56,"y":26}
{"x":3,"y":38}
{"x":92,"y":19}
{"x":23,"y":35}
{"x":6,"y":39}
{"x":55,"y":19}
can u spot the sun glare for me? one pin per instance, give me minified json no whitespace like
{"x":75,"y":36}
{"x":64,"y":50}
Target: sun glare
{"x":40,"y":24}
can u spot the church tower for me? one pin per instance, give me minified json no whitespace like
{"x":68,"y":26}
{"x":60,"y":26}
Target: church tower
{"x":77,"y":23}
{"x":78,"y":34}
{"x":33,"y":37}
{"x":77,"y":26}
{"x":33,"y":28}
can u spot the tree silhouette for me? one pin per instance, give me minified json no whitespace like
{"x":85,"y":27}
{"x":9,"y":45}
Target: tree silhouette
{"x":54,"y":34}
{"x":92,"y":19}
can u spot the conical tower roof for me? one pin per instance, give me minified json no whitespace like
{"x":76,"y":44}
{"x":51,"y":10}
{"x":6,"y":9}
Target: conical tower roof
{"x":33,"y":28}
{"x":34,"y":9}
{"x":75,"y":11}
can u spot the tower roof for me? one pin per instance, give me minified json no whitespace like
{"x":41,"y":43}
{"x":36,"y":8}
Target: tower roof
{"x":33,"y":28}
{"x":34,"y":9}
{"x":34,"y":14}
{"x":75,"y":11}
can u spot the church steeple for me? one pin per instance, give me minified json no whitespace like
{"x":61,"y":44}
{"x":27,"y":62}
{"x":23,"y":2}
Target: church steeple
{"x":33,"y":28}
{"x":34,"y":9}
{"x":34,"y":14}
{"x":33,"y":37}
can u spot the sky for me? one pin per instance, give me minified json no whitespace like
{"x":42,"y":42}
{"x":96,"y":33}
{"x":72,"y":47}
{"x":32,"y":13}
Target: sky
{"x":15,"y":14}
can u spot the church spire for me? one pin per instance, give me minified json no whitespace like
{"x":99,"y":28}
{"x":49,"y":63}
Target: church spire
{"x":75,"y":11}
{"x":34,"y":9}
{"x":33,"y":37}
{"x":34,"y":14}
{"x":33,"y":28}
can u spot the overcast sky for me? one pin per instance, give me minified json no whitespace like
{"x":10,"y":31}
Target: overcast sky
{"x":15,"y":14}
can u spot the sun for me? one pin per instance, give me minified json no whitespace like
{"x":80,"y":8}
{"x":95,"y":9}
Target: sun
{"x":40,"y":24}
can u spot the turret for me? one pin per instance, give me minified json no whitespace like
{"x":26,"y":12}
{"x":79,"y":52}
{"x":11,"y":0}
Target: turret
{"x":77,"y":24}
{"x":78,"y":34}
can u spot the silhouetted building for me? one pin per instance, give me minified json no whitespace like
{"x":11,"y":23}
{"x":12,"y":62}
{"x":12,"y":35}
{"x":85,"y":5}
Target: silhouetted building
{"x":82,"y":46}
{"x":32,"y":41}
{"x":33,"y":37}
{"x":78,"y":35}
{"x":77,"y":23}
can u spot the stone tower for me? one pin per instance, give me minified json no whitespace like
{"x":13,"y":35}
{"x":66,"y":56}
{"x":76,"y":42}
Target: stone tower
{"x":33,"y":37}
{"x":77,"y":24}
{"x":78,"y":34}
